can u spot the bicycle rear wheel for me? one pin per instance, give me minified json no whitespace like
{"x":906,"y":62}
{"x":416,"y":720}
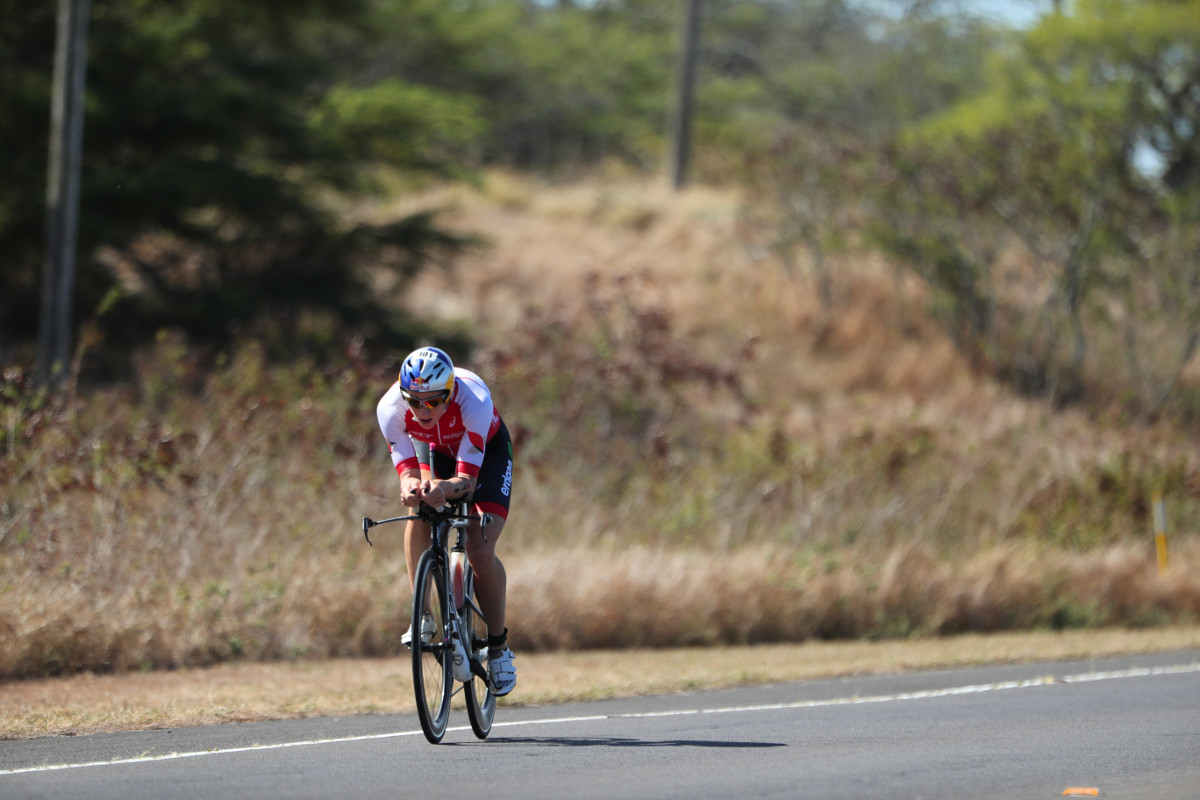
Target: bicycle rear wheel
{"x":481,"y":703}
{"x":433,"y":672}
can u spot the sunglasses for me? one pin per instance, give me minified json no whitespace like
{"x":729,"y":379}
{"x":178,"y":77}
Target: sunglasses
{"x":432,"y":402}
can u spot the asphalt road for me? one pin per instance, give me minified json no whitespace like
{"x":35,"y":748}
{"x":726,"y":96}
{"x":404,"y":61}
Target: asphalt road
{"x":1125,"y":727}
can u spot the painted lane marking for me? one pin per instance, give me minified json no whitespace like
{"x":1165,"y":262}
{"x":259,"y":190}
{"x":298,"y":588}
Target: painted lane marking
{"x":1087,"y":677}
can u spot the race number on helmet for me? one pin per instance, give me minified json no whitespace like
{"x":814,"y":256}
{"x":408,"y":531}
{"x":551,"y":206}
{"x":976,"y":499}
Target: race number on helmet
{"x":427,"y":370}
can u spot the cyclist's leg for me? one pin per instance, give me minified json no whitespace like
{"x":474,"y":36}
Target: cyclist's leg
{"x":416,"y":542}
{"x":492,"y":491}
{"x":491,"y":581}
{"x":490,"y":591}
{"x":493,"y":488}
{"x":416,"y":532}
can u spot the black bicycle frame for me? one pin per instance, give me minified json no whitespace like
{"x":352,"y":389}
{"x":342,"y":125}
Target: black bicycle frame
{"x":439,"y":523}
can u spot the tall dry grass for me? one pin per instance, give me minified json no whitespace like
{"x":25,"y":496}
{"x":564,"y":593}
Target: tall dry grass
{"x":704,"y":455}
{"x":645,"y":597}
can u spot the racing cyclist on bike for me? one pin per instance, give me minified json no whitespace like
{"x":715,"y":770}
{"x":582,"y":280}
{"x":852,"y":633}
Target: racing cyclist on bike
{"x":440,"y":416}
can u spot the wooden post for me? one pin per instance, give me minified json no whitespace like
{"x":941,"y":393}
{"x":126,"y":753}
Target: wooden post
{"x":62,"y":189}
{"x":681,"y":136}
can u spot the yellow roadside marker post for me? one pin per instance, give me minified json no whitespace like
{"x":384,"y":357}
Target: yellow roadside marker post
{"x":1160,"y":530}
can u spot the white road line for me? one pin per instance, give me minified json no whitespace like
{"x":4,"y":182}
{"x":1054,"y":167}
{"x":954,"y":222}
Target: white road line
{"x":1086,"y":677}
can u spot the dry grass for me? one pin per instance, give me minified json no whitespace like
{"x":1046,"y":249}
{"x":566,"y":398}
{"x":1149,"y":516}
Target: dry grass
{"x":643,"y":597}
{"x":705,"y":455}
{"x":90,"y":703}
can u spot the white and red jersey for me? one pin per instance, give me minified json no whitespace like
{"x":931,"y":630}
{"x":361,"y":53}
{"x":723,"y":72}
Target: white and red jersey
{"x":462,"y":432}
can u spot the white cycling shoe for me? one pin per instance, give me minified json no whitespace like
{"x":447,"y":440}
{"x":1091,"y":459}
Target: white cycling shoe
{"x":502,"y":673}
{"x":428,"y":629}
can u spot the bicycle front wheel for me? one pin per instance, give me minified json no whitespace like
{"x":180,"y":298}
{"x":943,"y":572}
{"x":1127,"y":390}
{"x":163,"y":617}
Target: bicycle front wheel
{"x":433,"y":669}
{"x":481,"y":703}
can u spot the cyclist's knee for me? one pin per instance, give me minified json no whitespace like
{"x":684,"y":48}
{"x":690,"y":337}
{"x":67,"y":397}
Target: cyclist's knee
{"x":481,"y":555}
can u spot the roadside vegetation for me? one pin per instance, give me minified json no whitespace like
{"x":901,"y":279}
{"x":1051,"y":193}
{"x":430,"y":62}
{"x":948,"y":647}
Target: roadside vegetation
{"x":912,"y":355}
{"x":705,"y":456}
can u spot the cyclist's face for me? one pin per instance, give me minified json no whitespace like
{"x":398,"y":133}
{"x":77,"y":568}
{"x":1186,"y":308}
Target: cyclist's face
{"x":427,"y":417}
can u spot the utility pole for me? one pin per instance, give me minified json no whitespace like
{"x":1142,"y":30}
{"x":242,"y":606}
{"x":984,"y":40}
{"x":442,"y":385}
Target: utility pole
{"x":689,"y":47}
{"x":62,"y":189}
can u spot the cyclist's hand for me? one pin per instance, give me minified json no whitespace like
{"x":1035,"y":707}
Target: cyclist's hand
{"x":434,"y":495}
{"x":412,"y":491}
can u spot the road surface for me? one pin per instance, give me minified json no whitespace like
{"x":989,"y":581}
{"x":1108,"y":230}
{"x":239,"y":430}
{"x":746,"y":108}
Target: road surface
{"x":1124,"y":727}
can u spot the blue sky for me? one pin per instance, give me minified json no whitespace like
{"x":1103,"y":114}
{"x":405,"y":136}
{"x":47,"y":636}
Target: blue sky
{"x":1017,"y":13}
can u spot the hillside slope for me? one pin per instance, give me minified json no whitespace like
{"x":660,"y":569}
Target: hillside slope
{"x":704,"y":454}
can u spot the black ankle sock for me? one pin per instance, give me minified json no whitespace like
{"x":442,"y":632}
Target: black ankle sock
{"x":498,"y":642}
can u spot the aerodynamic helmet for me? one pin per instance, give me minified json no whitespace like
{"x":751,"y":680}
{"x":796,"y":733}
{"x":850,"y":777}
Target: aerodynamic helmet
{"x":427,"y":370}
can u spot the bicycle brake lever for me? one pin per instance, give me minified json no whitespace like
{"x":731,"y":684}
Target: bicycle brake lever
{"x":368,"y":523}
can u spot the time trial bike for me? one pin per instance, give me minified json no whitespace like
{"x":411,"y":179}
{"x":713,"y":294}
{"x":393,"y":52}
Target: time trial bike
{"x":449,"y":632}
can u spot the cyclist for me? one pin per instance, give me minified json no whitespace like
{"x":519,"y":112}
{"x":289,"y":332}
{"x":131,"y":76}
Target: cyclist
{"x":447,"y":440}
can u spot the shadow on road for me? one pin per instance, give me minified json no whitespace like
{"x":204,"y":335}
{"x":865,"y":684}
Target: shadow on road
{"x":613,"y":741}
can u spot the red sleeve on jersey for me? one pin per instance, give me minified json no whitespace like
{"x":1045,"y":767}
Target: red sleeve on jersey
{"x":463,"y":468}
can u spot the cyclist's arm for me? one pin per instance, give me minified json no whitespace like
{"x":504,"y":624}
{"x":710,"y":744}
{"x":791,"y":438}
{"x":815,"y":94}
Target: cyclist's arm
{"x":480,"y":419}
{"x":416,"y":476}
{"x":456,"y":487}
{"x":413,"y":486}
{"x":391,"y":422}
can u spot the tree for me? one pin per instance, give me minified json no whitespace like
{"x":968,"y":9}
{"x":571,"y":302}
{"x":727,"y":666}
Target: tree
{"x":1051,"y":163}
{"x":215,"y":131}
{"x":560,"y":85}
{"x":27,"y":32}
{"x":812,"y":93}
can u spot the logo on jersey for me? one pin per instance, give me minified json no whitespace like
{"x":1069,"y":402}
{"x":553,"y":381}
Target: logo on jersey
{"x":506,"y":485}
